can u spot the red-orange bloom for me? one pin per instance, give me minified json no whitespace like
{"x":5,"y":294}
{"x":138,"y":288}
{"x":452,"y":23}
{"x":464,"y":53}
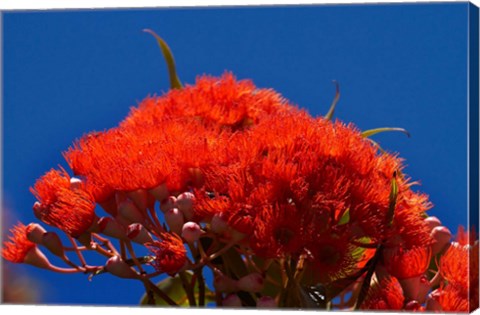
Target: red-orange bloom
{"x":170,"y":254}
{"x":332,"y":256}
{"x":386,"y":295}
{"x":18,"y":245}
{"x":404,"y":264}
{"x":60,"y":205}
{"x":454,"y":265}
{"x":453,"y":300}
{"x":278,"y":232}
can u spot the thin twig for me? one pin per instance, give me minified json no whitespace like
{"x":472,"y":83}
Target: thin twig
{"x":77,"y":251}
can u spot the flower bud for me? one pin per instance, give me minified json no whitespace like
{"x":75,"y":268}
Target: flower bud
{"x":168,"y":203}
{"x":433,"y":222}
{"x":432,"y":302}
{"x":411,"y":287}
{"x":232,"y":300}
{"x":175,"y":220}
{"x":120,"y":197}
{"x":266,"y":302}
{"x":191,"y":232}
{"x":226,"y":284}
{"x":52,"y":242}
{"x":85,"y":239}
{"x":111,"y":227}
{"x":130,"y":212}
{"x":38,"y":209}
{"x":139,"y":198}
{"x":116,"y":266}
{"x":441,"y":236}
{"x":110,"y":206}
{"x":412,"y":306}
{"x":137,"y":233}
{"x":35,"y":233}
{"x":160,"y":192}
{"x":423,"y":290}
{"x":218,"y":224}
{"x":76,"y":183}
{"x":36,"y":258}
{"x":251,"y":283}
{"x":185,"y":204}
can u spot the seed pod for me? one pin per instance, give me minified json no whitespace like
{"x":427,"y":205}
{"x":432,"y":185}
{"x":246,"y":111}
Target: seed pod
{"x":251,"y":283}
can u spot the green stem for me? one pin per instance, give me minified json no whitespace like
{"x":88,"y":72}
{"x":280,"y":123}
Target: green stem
{"x":160,"y":293}
{"x":188,"y":288}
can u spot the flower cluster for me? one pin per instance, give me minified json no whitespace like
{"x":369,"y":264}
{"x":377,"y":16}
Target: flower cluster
{"x":228,"y":176}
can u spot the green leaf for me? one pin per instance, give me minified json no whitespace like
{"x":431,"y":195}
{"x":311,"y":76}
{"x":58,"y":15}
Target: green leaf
{"x":368,"y":277}
{"x":167,"y":54}
{"x":172,"y":286}
{"x":393,"y":199}
{"x":329,"y":115}
{"x":345,"y":218}
{"x":371,"y":132}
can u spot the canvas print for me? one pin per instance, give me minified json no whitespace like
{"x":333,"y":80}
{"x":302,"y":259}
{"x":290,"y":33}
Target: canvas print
{"x":317,"y":157}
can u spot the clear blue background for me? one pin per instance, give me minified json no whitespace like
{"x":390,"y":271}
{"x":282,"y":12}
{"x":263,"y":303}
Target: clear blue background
{"x":69,"y":73}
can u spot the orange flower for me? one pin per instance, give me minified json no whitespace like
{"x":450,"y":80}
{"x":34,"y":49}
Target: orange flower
{"x":292,"y":183}
{"x":453,"y":300}
{"x":460,"y":268}
{"x":404,"y":264}
{"x":18,"y":246}
{"x":69,"y":209}
{"x":331,"y":257}
{"x":278,"y":232}
{"x":386,"y":295}
{"x":454,"y":266}
{"x":215,"y":101}
{"x":466,"y":237}
{"x":170,"y":254}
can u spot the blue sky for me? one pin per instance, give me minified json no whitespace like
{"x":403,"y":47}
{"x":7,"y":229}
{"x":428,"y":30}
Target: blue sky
{"x":67,"y":73}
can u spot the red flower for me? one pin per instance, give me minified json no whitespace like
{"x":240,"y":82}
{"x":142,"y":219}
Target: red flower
{"x":459,"y":266}
{"x":278,"y":232}
{"x":170,"y":254}
{"x":404,"y":264}
{"x":454,"y":266}
{"x":386,"y":295}
{"x":18,"y":245}
{"x":69,"y":209}
{"x":332,"y":256}
{"x":453,"y":300}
